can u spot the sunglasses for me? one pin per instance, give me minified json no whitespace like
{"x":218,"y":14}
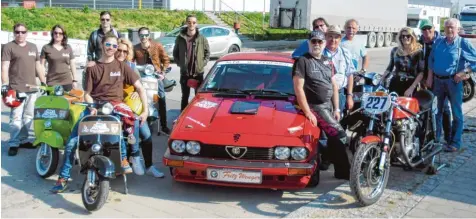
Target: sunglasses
{"x":317,"y":26}
{"x":20,"y":32}
{"x":316,"y":41}
{"x":58,"y":33}
{"x":103,"y":19}
{"x":406,"y":36}
{"x":111,"y":45}
{"x":143,"y":35}
{"x":122,"y":51}
{"x":426,"y":28}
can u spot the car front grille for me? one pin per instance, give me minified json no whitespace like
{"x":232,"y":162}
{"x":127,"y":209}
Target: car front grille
{"x":220,"y":152}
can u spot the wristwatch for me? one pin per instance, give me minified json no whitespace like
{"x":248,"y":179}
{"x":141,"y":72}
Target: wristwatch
{"x":337,"y":110}
{"x":350,"y":94}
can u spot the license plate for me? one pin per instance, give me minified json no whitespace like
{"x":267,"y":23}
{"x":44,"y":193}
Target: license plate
{"x":234,"y":176}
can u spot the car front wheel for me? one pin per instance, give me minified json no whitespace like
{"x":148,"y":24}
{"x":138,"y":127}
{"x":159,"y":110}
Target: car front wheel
{"x":233,"y":48}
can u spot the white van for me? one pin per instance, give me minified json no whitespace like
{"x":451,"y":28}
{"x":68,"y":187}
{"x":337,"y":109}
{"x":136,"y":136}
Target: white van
{"x":415,"y":15}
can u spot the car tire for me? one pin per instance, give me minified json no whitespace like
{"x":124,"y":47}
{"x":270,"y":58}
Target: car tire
{"x":233,"y":48}
{"x":468,"y":90}
{"x":315,"y":178}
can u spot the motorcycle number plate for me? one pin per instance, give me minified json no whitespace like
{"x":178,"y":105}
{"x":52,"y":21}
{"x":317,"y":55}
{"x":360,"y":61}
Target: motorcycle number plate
{"x":376,"y":104}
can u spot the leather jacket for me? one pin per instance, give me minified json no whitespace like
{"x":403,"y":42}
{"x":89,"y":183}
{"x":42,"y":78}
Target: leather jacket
{"x":157,"y":55}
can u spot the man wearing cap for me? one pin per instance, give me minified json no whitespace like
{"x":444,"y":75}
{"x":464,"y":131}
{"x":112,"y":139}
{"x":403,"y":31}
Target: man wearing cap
{"x":315,"y":86}
{"x":343,"y":66}
{"x":356,"y":48}
{"x":317,"y":24}
{"x":427,"y":39}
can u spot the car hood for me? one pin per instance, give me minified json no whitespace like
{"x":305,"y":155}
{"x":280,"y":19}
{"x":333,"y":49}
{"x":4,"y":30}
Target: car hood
{"x":166,"y":40}
{"x":246,"y":116}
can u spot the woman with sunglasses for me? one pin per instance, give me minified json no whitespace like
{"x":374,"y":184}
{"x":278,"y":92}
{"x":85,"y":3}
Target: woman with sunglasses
{"x":60,"y":58}
{"x":125,"y":54}
{"x":405,"y":63}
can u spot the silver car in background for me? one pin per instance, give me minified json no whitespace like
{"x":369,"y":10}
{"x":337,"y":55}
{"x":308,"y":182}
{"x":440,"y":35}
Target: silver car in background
{"x":222,"y":40}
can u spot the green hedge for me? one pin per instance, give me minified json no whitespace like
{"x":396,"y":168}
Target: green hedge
{"x":252,"y":27}
{"x":81,"y":22}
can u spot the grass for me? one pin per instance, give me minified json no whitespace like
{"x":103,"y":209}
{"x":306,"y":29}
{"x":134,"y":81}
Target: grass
{"x":79,"y":23}
{"x":253,"y":26}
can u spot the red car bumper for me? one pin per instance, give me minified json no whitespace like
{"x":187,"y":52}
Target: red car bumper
{"x":239,"y":173}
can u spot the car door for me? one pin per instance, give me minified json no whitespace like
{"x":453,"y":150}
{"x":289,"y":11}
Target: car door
{"x":207,"y":32}
{"x":222,"y":39}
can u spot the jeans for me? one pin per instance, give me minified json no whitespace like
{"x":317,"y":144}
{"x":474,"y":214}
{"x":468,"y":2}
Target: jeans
{"x":186,"y":89}
{"x":447,"y":126}
{"x":72,"y":144}
{"x":146,"y":144}
{"x":21,"y":118}
{"x":448,"y":89}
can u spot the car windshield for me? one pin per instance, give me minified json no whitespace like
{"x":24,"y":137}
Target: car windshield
{"x":174,"y":33}
{"x":468,"y":17}
{"x":251,"y":76}
{"x":412,"y":22}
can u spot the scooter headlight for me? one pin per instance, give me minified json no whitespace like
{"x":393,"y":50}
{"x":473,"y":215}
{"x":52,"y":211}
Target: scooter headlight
{"x":282,"y":153}
{"x":193,"y":147}
{"x":149,"y":69}
{"x":107,"y":109}
{"x":178,"y":146}
{"x":376,"y":79}
{"x":96,"y":148}
{"x":299,"y":153}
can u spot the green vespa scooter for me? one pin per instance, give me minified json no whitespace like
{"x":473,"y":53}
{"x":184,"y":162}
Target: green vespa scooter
{"x":54,"y":118}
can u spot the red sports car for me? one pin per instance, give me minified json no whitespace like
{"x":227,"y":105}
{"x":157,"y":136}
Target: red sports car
{"x":244,"y":129}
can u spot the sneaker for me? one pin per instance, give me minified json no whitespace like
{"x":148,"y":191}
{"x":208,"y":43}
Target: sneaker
{"x":165,"y":130}
{"x":137,"y":165}
{"x":60,"y":186}
{"x":12,"y":151}
{"x":153,"y":171}
{"x":126,"y":167}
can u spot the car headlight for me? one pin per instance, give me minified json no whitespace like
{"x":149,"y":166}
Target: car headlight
{"x":178,"y":146}
{"x":299,"y":153}
{"x":193,"y":147}
{"x":107,"y":109}
{"x":96,"y":148}
{"x":376,"y":79}
{"x":282,"y":153}
{"x":149,"y":69}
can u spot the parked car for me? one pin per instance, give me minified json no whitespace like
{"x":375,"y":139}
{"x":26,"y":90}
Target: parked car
{"x":244,"y":129}
{"x":222,"y":40}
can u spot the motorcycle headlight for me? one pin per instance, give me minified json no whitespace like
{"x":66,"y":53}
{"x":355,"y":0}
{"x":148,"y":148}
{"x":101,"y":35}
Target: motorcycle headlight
{"x":299,"y":153}
{"x":282,"y":153}
{"x":59,"y":90}
{"x":149,"y":69}
{"x":107,"y":109}
{"x":193,"y":147}
{"x":376,"y":79}
{"x":178,"y":146}
{"x":96,"y":148}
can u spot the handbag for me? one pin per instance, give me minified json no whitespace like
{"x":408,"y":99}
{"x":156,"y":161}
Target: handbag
{"x":192,"y":83}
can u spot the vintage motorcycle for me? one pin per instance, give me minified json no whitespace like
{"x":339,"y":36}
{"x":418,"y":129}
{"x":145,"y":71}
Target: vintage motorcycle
{"x":468,"y":87}
{"x":149,"y":77}
{"x":54,"y":118}
{"x":99,"y":154}
{"x":405,"y":133}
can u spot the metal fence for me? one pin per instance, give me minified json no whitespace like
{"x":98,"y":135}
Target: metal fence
{"x":93,"y":4}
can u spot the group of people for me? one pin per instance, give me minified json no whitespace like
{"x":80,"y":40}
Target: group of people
{"x":110,"y":69}
{"x":323,"y":78}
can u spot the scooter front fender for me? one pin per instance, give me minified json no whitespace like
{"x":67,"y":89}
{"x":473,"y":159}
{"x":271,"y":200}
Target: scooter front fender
{"x":51,"y":138}
{"x":105,"y":167}
{"x":370,"y":139}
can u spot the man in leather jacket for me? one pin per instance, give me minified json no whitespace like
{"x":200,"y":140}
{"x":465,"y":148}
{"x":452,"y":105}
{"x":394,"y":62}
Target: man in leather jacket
{"x":150,"y":52}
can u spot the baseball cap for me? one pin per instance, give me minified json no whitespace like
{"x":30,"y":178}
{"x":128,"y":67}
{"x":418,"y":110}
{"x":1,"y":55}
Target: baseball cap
{"x":317,"y":34}
{"x":425,"y":23}
{"x":333,"y":29}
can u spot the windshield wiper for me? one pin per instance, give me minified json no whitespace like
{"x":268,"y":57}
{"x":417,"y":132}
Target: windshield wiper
{"x":226,"y":90}
{"x":263,"y":91}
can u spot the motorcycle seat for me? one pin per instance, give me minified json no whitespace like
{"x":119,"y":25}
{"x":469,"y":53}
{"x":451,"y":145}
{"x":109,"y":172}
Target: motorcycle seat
{"x":425,"y":99}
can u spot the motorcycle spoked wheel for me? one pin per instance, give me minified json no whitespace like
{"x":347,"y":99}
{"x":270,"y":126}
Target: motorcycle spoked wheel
{"x":364,"y":172}
{"x":468,"y":90}
{"x":96,"y":195}
{"x":46,"y":160}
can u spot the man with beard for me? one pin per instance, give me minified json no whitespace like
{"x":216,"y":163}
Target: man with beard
{"x":315,"y":86}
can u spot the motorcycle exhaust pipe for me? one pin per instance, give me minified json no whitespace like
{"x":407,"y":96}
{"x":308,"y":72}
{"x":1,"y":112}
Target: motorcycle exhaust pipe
{"x":407,"y":159}
{"x":91,"y":178}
